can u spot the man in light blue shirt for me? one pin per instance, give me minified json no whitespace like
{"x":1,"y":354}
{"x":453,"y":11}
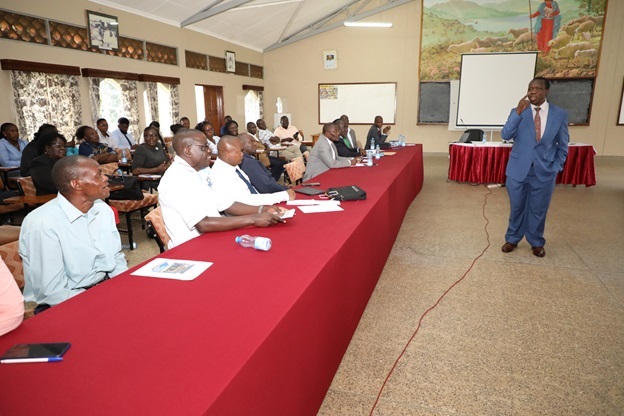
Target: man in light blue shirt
{"x":71,"y":243}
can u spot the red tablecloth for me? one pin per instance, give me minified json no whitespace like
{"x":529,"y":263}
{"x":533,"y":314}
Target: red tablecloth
{"x":258,"y":333}
{"x":478,"y":163}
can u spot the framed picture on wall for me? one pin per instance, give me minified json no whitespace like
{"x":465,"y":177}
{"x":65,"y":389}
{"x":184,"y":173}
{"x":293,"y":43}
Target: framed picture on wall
{"x":621,"y":113}
{"x":103,"y":30}
{"x":330,"y":60}
{"x":230,"y":61}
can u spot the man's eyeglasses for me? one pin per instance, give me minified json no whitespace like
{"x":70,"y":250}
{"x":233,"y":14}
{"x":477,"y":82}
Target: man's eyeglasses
{"x":203,"y":147}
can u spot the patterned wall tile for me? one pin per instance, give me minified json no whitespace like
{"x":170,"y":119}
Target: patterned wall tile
{"x":256,"y":71}
{"x":25,"y":28}
{"x":162,"y":54}
{"x":196,"y":60}
{"x":216,"y":64}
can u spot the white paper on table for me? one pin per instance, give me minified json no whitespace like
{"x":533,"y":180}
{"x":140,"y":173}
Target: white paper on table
{"x":289,"y":213}
{"x":313,"y":209}
{"x":173,"y":269}
{"x":298,"y":202}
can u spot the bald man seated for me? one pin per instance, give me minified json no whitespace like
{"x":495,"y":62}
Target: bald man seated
{"x":190,"y":204}
{"x":324,"y":155}
{"x":71,"y":243}
{"x":229,"y":179}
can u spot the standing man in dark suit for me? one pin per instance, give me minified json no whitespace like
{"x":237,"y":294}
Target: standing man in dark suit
{"x":377,"y":132}
{"x":540,"y":134}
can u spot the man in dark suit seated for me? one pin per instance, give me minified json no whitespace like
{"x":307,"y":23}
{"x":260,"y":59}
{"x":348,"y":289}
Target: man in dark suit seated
{"x":343,"y":145}
{"x":259,"y":176}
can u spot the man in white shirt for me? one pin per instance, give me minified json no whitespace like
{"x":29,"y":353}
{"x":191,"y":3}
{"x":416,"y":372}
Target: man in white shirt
{"x":229,"y":179}
{"x":191,"y":206}
{"x":291,"y":135}
{"x":122,"y":138}
{"x":268,"y":138}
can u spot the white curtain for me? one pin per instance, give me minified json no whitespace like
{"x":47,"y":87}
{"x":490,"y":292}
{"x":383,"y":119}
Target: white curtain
{"x":152,"y":100}
{"x":130,"y":99}
{"x":174,"y":91}
{"x":46,"y":98}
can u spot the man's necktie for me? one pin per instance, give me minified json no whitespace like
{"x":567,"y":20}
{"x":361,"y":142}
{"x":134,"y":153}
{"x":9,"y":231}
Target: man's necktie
{"x":249,"y":185}
{"x":538,"y":124}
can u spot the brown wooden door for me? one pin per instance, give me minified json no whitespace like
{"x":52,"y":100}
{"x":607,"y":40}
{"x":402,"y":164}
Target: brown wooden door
{"x":213,"y":103}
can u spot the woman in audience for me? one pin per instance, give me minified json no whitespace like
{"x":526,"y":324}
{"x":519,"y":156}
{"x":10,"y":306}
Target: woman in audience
{"x":91,"y":146}
{"x":51,"y":149}
{"x":206,"y":128}
{"x":11,"y":146}
{"x":150,"y":157}
{"x":30,"y":152}
{"x":231,"y":128}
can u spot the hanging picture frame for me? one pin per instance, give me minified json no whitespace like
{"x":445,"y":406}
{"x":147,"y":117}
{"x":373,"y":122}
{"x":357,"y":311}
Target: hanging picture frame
{"x":103,"y":31}
{"x":230,"y":61}
{"x":330,"y":60}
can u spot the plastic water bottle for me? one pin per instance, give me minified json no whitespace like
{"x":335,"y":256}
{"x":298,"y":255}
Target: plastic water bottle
{"x":369,"y":158}
{"x":372,"y":144}
{"x":259,"y":243}
{"x":483,"y":137}
{"x":124,"y":159}
{"x":377,"y":152}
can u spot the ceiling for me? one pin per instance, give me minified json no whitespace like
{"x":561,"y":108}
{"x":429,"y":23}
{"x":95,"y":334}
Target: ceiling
{"x":261,"y":25}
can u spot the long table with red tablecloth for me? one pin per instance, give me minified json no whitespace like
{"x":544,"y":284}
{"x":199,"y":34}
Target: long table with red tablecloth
{"x":258,"y":333}
{"x":486,"y":163}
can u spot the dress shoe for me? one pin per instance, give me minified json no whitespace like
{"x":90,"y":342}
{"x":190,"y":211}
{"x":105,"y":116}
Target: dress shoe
{"x":508,"y":247}
{"x":538,"y":251}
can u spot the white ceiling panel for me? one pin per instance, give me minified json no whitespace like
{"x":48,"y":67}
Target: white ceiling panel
{"x":256,"y":24}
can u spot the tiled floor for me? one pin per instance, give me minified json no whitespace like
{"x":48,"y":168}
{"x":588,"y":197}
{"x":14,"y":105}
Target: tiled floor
{"x":520,"y":335}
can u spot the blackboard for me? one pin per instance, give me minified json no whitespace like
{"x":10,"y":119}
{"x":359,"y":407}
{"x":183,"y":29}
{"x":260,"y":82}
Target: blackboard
{"x":360,"y":101}
{"x":575,"y":96}
{"x":434,"y":99}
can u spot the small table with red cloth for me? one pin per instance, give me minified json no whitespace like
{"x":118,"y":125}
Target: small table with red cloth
{"x":486,"y":163}
{"x":258,"y":333}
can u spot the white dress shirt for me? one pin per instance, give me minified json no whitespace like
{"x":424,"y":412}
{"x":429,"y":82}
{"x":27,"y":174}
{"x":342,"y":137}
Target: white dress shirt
{"x":187,"y":197}
{"x":225,"y":180}
{"x":118,"y":140}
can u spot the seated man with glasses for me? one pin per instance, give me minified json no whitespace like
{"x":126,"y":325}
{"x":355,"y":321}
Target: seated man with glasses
{"x":190,"y":205}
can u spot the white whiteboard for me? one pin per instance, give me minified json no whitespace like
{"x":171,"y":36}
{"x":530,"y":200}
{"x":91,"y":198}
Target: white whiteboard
{"x":490,"y":85}
{"x":361,"y":102}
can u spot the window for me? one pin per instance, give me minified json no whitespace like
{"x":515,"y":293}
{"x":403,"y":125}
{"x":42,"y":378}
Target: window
{"x":252,"y":106}
{"x":158,"y":105}
{"x":111,"y":102}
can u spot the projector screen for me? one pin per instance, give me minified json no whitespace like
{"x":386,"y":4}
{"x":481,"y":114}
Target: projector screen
{"x":490,"y":85}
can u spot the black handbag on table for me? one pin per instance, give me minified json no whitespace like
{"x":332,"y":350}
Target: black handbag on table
{"x":347,"y":193}
{"x":131,"y":188}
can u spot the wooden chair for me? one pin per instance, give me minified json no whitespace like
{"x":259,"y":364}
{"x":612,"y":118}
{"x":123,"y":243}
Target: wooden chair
{"x":10,"y":254}
{"x":26,"y":186}
{"x":129,"y":207}
{"x":155,"y":220}
{"x":109,"y":168}
{"x":8,"y":209}
{"x":294,"y":170}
